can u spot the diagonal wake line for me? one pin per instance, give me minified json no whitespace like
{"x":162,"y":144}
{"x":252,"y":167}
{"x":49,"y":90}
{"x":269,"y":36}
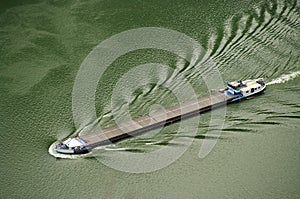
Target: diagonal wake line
{"x":284,"y":78}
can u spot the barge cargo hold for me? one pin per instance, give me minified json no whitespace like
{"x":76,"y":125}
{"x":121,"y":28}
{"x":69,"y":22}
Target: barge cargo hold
{"x":235,"y":91}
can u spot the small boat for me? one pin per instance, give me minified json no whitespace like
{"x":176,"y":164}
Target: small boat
{"x":235,"y":91}
{"x":244,"y":89}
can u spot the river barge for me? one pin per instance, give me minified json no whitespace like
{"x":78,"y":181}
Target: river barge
{"x":235,"y":91}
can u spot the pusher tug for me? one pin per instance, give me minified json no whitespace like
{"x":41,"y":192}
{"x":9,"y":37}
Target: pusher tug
{"x":235,"y":91}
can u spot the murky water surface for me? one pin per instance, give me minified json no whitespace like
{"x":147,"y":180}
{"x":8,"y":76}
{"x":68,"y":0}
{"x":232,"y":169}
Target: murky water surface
{"x":43,"y":44}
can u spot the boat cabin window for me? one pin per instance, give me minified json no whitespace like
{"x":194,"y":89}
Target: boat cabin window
{"x":252,"y":90}
{"x":247,"y":91}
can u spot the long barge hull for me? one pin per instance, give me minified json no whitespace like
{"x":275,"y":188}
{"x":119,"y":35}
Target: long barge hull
{"x":155,"y":120}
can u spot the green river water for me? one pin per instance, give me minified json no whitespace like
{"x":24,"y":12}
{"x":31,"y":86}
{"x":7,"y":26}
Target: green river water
{"x":42,"y":46}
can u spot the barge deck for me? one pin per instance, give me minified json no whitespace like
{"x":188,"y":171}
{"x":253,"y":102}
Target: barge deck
{"x":155,"y":120}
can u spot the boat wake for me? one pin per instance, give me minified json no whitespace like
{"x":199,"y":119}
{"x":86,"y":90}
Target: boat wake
{"x":284,"y":78}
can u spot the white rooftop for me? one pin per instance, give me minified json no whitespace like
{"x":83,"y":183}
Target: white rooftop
{"x":74,"y":142}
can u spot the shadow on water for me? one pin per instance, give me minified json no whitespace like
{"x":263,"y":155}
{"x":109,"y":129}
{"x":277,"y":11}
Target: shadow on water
{"x":239,"y":130}
{"x":285,"y":116}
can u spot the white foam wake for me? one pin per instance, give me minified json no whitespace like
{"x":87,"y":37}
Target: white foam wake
{"x":284,"y":78}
